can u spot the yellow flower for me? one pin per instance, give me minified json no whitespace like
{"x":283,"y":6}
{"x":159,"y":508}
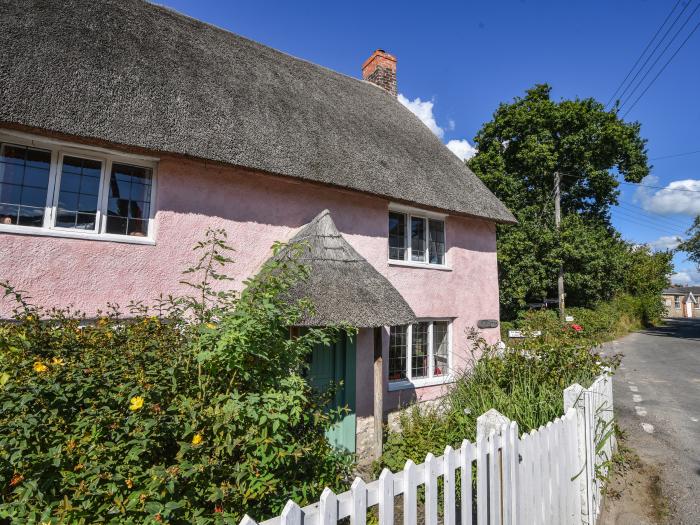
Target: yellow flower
{"x":129,"y":483}
{"x":211,"y":325}
{"x":197,"y":439}
{"x":40,"y":367}
{"x":57,"y":361}
{"x":136,"y":403}
{"x":101,"y":321}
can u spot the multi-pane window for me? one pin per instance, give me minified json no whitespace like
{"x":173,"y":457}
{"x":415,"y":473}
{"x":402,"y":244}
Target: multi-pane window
{"x":677,"y":302}
{"x":64,"y":190}
{"x":129,"y":200}
{"x":397,"y":352}
{"x":24,"y":182}
{"x":416,"y":239}
{"x":419,"y":351}
{"x":397,"y":236}
{"x":441,"y":343}
{"x":78,"y":193}
{"x":436,"y":242}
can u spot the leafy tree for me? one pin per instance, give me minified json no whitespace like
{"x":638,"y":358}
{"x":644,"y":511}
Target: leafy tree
{"x":692,"y":243}
{"x":519,"y":151}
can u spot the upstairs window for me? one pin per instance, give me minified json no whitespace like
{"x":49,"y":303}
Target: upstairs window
{"x":24,"y":182}
{"x":61,"y":190}
{"x":416,"y":239}
{"x":129,"y":204}
{"x":419,"y":351}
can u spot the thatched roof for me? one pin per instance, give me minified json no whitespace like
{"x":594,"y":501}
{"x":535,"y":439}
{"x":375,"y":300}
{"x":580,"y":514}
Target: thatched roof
{"x":140,"y":75}
{"x":342,"y":285}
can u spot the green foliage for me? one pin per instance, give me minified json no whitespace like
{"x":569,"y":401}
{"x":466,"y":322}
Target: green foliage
{"x":519,"y":151}
{"x":525,"y":383}
{"x":692,"y":243}
{"x":605,"y":322}
{"x":195,"y":415}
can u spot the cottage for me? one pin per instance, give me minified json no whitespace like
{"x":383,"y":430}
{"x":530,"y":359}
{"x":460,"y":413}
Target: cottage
{"x":682,"y":301}
{"x":127,"y":130}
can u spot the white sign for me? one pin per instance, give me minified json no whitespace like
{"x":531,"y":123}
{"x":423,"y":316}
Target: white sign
{"x":569,"y":318}
{"x":518,"y":334}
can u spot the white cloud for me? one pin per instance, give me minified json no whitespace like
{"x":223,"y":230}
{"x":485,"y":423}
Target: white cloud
{"x":686,"y":277}
{"x":423,"y":109}
{"x":461,"y":148}
{"x":672,"y":199}
{"x":666,"y":242}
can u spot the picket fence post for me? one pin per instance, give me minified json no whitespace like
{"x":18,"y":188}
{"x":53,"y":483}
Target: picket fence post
{"x":573,"y":398}
{"x":386,"y":497}
{"x":497,"y":469}
{"x":291,"y":514}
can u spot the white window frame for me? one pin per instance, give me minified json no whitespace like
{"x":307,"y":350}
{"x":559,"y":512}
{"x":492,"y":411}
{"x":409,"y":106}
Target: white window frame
{"x":431,"y":379}
{"x":60,"y":149}
{"x":676,"y":302}
{"x":409,"y":213}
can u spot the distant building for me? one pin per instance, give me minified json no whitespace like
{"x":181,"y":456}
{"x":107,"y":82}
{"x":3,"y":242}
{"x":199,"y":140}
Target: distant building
{"x":682,"y":301}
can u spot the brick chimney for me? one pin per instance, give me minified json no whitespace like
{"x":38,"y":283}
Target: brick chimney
{"x":380,"y":69}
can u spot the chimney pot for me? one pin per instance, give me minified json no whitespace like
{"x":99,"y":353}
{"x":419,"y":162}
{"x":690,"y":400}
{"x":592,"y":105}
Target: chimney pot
{"x":380,"y":69}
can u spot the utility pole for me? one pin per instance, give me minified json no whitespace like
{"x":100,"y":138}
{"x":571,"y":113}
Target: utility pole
{"x":557,"y":223}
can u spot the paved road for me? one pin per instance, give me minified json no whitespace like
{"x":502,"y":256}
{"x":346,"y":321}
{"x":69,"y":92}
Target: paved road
{"x":657,"y":400}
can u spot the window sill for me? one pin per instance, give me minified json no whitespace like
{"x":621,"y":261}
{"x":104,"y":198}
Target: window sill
{"x":419,"y":383}
{"x":46,"y":232}
{"x":426,"y":266}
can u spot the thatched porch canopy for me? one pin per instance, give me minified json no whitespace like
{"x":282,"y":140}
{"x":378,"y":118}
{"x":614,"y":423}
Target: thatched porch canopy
{"x":342,"y":285}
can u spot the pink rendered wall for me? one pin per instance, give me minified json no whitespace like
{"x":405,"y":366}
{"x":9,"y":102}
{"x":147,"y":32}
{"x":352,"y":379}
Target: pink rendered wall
{"x":256,"y":210}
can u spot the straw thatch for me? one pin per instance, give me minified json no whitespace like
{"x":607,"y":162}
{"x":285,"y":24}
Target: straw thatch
{"x":342,"y":285}
{"x":140,"y":75}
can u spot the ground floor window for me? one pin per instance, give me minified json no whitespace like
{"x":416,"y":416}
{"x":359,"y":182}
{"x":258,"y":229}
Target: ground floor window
{"x":420,"y":351}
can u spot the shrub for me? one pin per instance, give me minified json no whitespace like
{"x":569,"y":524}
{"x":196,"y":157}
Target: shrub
{"x":605,"y":322}
{"x":524,"y":382}
{"x":195,"y":415}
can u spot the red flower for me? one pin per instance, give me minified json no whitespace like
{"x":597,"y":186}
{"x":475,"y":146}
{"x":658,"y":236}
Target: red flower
{"x":577,"y":327}
{"x":218,"y":508}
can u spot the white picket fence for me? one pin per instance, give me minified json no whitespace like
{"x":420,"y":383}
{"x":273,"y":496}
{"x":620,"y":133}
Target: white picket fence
{"x":549,"y":476}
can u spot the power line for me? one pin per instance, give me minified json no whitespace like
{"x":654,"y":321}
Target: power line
{"x":638,"y":184}
{"x":648,"y":215}
{"x":640,"y":221}
{"x":658,"y":187}
{"x":663,"y":68}
{"x":653,"y":52}
{"x":653,"y":65}
{"x":676,"y":155}
{"x":643,"y":53}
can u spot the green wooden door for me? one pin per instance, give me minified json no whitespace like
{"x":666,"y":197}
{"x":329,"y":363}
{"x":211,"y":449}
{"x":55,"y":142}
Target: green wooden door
{"x":336,"y":364}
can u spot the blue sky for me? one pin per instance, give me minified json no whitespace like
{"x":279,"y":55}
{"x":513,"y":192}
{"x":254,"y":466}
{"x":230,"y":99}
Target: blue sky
{"x":463,"y":58}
